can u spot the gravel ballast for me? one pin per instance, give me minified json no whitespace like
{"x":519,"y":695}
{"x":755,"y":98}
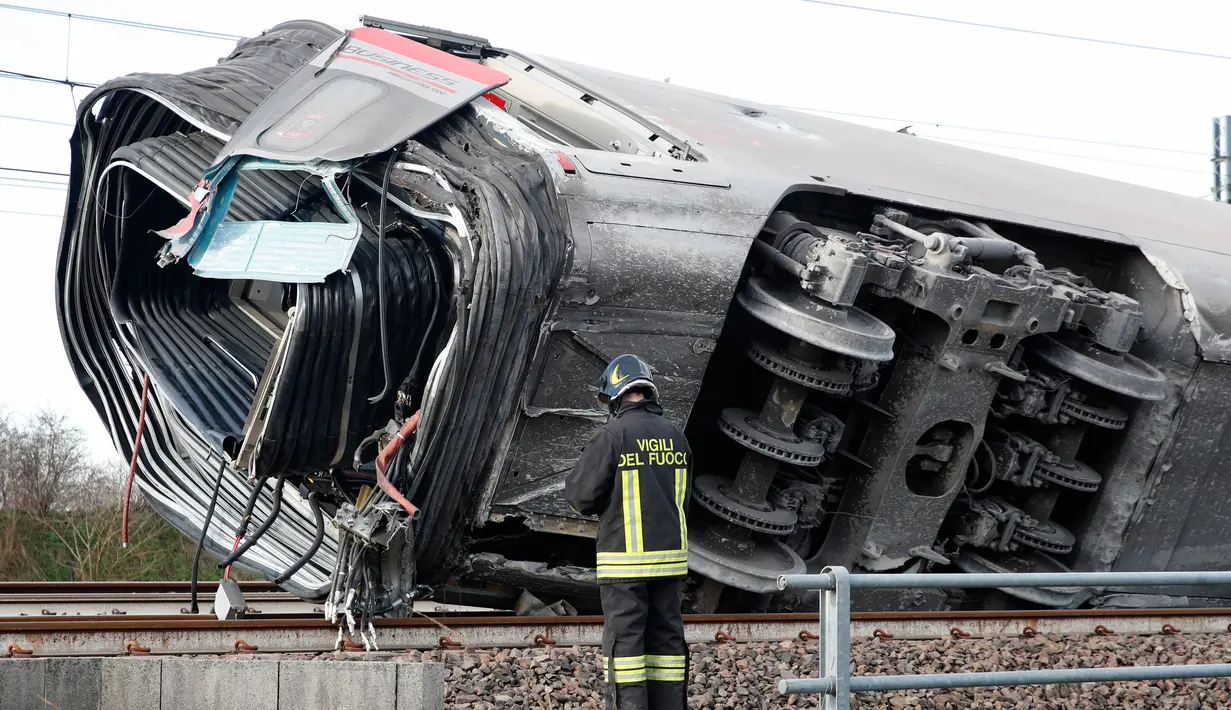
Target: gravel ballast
{"x":734,"y":676}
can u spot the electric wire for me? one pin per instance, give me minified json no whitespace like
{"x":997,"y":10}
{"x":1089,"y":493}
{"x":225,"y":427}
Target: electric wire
{"x":275,"y":508}
{"x":33,"y":181}
{"x":32,"y":214}
{"x":34,"y":120}
{"x":1043,"y":136}
{"x":123,"y":23}
{"x":32,"y":172}
{"x":380,"y":275}
{"x":1069,"y":155}
{"x":317,"y":538}
{"x":22,"y":76}
{"x":1019,"y":30}
{"x":58,"y":188}
{"x":209,"y":515}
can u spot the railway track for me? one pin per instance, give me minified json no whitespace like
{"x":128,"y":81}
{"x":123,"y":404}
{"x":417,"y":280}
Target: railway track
{"x":181,"y":634}
{"x":145,"y":599}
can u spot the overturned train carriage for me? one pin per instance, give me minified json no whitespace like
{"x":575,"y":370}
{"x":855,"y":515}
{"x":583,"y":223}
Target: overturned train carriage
{"x":372,"y":277}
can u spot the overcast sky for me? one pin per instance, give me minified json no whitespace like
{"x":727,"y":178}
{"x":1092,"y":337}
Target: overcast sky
{"x":1021,"y":91}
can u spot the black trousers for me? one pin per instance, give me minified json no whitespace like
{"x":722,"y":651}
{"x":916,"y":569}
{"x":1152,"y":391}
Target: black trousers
{"x":644,"y":653}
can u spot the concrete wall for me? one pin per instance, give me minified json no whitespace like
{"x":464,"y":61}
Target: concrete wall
{"x":251,"y":682}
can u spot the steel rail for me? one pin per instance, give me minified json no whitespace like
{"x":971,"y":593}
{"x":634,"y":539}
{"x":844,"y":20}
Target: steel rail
{"x":24,"y":599}
{"x":188,"y":635}
{"x":120,"y":587}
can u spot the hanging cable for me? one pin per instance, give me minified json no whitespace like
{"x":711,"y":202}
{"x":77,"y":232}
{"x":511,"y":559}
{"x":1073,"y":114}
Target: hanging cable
{"x":380,"y":275}
{"x":244,"y":520}
{"x":209,"y":515}
{"x":132,"y":467}
{"x":382,"y":462}
{"x":256,"y":536}
{"x":226,"y":573}
{"x":316,"y":542}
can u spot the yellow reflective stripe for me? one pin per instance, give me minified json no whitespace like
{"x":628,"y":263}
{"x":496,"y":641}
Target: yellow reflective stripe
{"x":633,"y":537}
{"x":666,"y":661}
{"x":665,"y":675}
{"x":624,"y":558}
{"x":681,"y":486}
{"x":626,"y":494}
{"x":633,"y":676}
{"x":639,"y":538}
{"x":628,"y":669}
{"x":663,"y":570}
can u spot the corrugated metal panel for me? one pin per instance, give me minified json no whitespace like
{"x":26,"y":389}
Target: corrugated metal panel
{"x":176,"y":162}
{"x":219,"y":98}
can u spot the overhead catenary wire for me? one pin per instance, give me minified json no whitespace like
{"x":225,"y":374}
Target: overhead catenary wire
{"x":22,"y":76}
{"x":31,"y":119}
{"x":1019,"y":30}
{"x":32,"y":214}
{"x":152,"y":26}
{"x":1068,"y":155}
{"x":1022,"y":134}
{"x":4,"y":169}
{"x":33,"y":181}
{"x":191,"y":32}
{"x":32,"y":186}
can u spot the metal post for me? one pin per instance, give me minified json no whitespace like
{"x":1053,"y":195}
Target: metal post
{"x":1222,"y":159}
{"x":835,"y":641}
{"x":1216,"y":160}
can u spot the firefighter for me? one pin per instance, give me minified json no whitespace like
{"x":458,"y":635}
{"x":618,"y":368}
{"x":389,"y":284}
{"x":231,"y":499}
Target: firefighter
{"x":635,"y":474}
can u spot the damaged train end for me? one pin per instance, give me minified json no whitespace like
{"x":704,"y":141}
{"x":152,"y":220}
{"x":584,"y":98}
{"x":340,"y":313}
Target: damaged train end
{"x":372,"y":277}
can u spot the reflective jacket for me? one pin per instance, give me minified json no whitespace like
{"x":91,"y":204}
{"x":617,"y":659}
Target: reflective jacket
{"x":635,"y":475}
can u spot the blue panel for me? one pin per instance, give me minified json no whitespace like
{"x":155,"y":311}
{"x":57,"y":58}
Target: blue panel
{"x":287,"y":252}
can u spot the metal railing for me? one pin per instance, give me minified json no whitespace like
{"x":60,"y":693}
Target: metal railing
{"x":836,"y":683}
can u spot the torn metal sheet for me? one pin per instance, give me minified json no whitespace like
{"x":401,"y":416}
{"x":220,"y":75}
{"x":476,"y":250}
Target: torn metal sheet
{"x":289,"y":252}
{"x":361,"y":96}
{"x":367,"y":91}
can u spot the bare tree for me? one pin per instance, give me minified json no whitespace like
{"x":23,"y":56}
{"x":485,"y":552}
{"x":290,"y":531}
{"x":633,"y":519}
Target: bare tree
{"x":6,"y":453}
{"x":46,"y":465}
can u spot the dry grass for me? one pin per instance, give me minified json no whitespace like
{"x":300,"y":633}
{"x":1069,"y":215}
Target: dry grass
{"x":85,"y":546}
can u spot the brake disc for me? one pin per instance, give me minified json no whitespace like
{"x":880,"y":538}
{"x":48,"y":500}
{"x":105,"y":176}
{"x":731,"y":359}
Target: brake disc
{"x":836,"y":383}
{"x":746,"y":427}
{"x":1046,"y":536}
{"x":1107,"y":417}
{"x":711,"y":493}
{"x":1076,"y":476}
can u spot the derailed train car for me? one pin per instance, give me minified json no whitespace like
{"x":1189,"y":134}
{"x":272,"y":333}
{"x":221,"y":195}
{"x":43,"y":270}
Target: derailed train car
{"x":371,"y":279}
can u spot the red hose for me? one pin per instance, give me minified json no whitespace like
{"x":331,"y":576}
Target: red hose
{"x":132,"y":468}
{"x":226,"y":573}
{"x":382,"y":462}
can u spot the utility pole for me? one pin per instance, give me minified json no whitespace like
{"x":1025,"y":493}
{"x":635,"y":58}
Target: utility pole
{"x":1222,"y":159}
